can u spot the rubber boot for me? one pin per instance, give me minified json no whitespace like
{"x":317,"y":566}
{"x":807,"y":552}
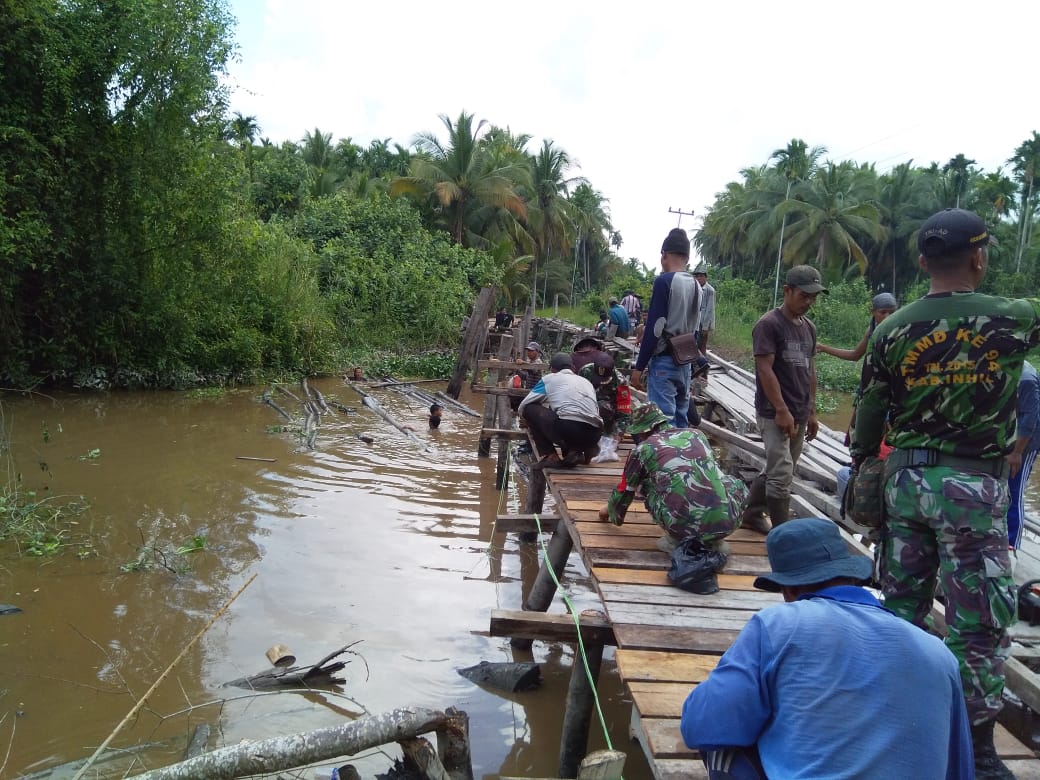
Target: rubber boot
{"x":988,"y":765}
{"x":779,"y":509}
{"x":753,"y":516}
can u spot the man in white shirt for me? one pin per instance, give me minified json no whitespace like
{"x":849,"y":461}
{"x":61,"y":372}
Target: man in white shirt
{"x":562,"y":411}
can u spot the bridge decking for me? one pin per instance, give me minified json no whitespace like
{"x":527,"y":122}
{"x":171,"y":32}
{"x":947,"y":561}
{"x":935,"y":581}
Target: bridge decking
{"x":668,"y":640}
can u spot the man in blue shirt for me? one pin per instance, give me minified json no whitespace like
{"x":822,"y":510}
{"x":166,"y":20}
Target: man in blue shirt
{"x":619,"y":317}
{"x":829,"y":685}
{"x":1022,"y":456}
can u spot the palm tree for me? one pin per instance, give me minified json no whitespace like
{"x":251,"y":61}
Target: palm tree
{"x":244,"y":130}
{"x":320,"y":156}
{"x":552,"y":218}
{"x":796,"y":162}
{"x":837,"y":210}
{"x":1026,"y":165}
{"x":958,"y":169}
{"x":456,"y":177}
{"x":592,"y":222}
{"x":904,"y":202}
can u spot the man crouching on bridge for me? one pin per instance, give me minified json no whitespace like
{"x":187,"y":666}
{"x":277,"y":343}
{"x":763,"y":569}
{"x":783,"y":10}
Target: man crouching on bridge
{"x":829,"y":685}
{"x":686,"y":491}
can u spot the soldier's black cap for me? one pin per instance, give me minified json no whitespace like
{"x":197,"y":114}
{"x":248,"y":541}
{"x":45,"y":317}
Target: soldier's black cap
{"x":952,"y":230}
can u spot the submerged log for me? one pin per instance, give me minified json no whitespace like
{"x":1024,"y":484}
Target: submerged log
{"x":321,"y":673}
{"x":508,"y":677}
{"x":199,"y":741}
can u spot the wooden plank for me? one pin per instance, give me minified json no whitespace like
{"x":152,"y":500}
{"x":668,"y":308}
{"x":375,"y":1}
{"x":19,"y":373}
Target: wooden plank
{"x":650,"y":666}
{"x":664,"y":739}
{"x":642,"y":559}
{"x":550,"y":627}
{"x":652,"y":637}
{"x":594,"y":506}
{"x":607,"y":540}
{"x":671,"y":596}
{"x":678,"y":617}
{"x":1009,"y":746}
{"x":605,"y":574}
{"x":659,"y":700}
{"x":525,"y":523}
{"x":503,"y":433}
{"x":679,"y":769}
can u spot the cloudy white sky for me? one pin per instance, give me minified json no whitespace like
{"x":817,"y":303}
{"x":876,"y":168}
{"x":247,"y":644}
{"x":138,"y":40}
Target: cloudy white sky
{"x":660,"y":103}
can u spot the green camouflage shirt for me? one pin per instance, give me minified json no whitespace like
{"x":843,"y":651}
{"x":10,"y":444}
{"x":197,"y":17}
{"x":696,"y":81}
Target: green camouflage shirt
{"x":943,"y":372}
{"x":682,"y":484}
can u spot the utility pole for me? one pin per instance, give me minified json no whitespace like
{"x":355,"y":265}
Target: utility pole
{"x":681,"y":214}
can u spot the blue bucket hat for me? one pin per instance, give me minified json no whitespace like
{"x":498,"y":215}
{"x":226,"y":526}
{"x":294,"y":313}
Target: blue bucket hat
{"x":807,"y":552}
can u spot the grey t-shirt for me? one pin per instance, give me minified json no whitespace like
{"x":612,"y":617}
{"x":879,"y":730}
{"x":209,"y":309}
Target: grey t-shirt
{"x":792,"y":346}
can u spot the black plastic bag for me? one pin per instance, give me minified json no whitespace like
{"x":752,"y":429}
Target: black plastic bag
{"x":694,"y":567}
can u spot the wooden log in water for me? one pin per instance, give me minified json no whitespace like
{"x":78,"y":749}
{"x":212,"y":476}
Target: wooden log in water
{"x":267,"y":400}
{"x":293,"y":750}
{"x":320,"y":673}
{"x":456,"y":404}
{"x":421,"y":757}
{"x":376,"y":407}
{"x":504,"y":676}
{"x":199,"y":741}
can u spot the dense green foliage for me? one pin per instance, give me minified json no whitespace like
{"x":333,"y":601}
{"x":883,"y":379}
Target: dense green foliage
{"x":853,"y":222}
{"x":148,"y":239}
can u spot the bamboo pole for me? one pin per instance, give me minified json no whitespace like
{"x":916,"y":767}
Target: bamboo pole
{"x":150,"y":691}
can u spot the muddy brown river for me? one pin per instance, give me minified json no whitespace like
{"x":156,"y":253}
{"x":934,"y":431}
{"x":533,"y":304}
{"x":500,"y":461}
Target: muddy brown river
{"x":383,"y":544}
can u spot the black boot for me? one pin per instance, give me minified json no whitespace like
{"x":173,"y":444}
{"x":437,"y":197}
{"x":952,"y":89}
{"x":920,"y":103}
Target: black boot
{"x":988,"y":765}
{"x":753,"y":517}
{"x":779,"y":509}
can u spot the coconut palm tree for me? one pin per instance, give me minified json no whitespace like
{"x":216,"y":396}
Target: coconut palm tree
{"x":325,"y":173}
{"x":958,"y":170}
{"x":455,"y":176}
{"x":838,"y":210}
{"x":1026,"y":164}
{"x":552,"y":219}
{"x":244,"y":131}
{"x":796,"y":162}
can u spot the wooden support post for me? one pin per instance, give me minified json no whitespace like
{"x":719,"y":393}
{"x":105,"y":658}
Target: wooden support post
{"x":505,"y":412}
{"x":544,"y":588}
{"x":473,"y":339}
{"x":453,"y":745}
{"x":505,"y":349}
{"x":534,"y":501}
{"x":580,"y":699}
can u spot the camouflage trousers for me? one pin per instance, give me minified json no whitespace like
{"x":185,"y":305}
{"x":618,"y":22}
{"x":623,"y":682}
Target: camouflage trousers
{"x":947,"y":525}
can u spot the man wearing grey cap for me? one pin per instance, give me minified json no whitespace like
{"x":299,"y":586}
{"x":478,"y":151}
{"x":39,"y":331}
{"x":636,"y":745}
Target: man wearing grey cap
{"x":943,"y":373}
{"x":829,"y":685}
{"x":882,"y":306}
{"x":784,"y":343}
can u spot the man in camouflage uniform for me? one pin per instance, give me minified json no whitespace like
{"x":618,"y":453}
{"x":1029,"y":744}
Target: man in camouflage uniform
{"x":685,"y":489}
{"x":590,"y":361}
{"x":943,"y":372}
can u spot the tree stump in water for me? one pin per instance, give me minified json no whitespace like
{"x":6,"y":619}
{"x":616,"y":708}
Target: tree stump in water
{"x":509,"y":677}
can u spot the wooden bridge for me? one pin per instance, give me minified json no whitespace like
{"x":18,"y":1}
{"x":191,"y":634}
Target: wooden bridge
{"x":669,"y":640}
